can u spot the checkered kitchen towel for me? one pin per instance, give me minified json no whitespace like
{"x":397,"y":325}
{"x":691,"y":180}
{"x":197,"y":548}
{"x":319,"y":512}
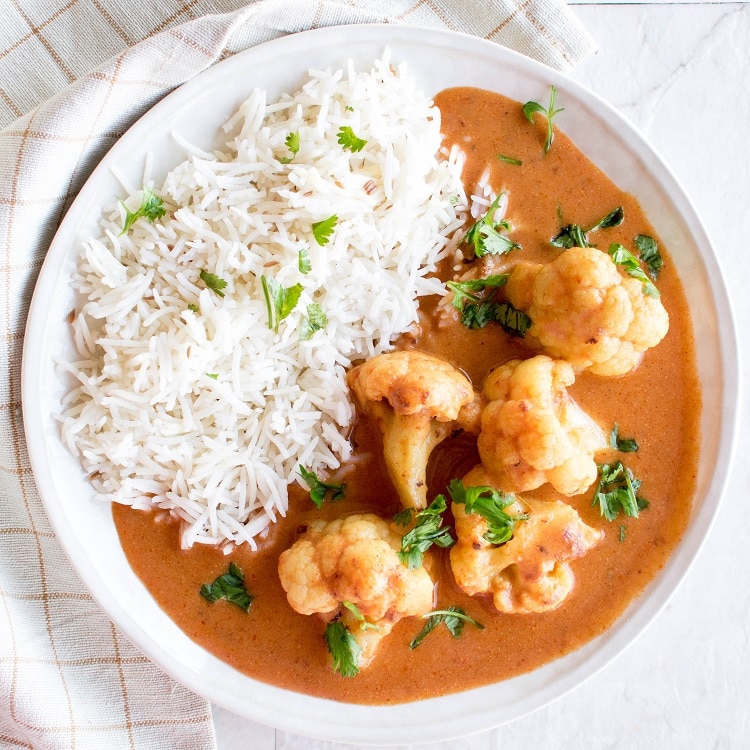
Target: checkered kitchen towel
{"x":74,"y":74}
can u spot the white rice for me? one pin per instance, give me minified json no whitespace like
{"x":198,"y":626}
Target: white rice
{"x":150,"y":423}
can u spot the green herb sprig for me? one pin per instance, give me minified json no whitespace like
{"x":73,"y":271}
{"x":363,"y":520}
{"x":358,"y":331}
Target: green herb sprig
{"x":428,"y":530}
{"x":483,"y":236}
{"x":573,"y":235}
{"x":648,"y":252}
{"x":151,"y":208}
{"x":623,"y":257}
{"x":280,"y":301}
{"x":319,"y":489}
{"x":229,"y":586}
{"x":617,"y":492}
{"x":292,"y":142}
{"x":491,"y":505}
{"x":315,"y":320}
{"x":454,"y":618}
{"x":624,"y":445}
{"x":343,"y":648}
{"x":549,"y":112}
{"x":213,"y":282}
{"x":322,"y":230}
{"x":348,"y":140}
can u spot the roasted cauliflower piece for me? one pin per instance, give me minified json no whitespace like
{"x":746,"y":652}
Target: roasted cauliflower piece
{"x":417,"y":400}
{"x":533,"y":432}
{"x":354,"y":560}
{"x":529,"y":573}
{"x":584,"y":311}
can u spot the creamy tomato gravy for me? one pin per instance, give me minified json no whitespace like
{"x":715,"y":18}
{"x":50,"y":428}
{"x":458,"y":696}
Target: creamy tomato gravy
{"x":658,"y":404}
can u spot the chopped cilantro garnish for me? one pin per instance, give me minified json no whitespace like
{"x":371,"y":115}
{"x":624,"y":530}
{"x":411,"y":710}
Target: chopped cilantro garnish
{"x":511,"y":320}
{"x":491,"y":505}
{"x":292,"y":143}
{"x":213,"y":282}
{"x":483,"y":236}
{"x":230,"y":586}
{"x":477,"y":312}
{"x":319,"y":489}
{"x":348,"y":140}
{"x":280,"y":301}
{"x":322,"y":230}
{"x":464,"y":291}
{"x":429,"y":530}
{"x":303,"y":262}
{"x":648,"y":252}
{"x":151,"y":208}
{"x":624,"y":445}
{"x":623,"y":257}
{"x":454,"y":619}
{"x":510,"y":160}
{"x":531,"y":108}
{"x":617,"y":492}
{"x":344,"y":649}
{"x":315,"y":320}
{"x":573,"y":235}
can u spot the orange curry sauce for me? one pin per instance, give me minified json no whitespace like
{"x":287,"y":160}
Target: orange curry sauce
{"x":275,"y":644}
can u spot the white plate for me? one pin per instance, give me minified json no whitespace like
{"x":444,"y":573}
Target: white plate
{"x":196,"y":110}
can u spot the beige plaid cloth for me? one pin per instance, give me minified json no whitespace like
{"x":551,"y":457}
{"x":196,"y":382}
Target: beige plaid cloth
{"x":74,"y":74}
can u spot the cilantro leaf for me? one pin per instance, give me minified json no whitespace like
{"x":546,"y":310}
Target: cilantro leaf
{"x":314,"y":321}
{"x":348,"y":140}
{"x":303,"y":262}
{"x":429,"y":530}
{"x":573,"y":235}
{"x":490,"y":504}
{"x":648,"y":252}
{"x":510,"y":160}
{"x":617,"y":492}
{"x":344,"y":649}
{"x":230,"y":586}
{"x":151,"y":208}
{"x":531,"y":108}
{"x":322,"y":230}
{"x":280,"y":301}
{"x":454,"y":619}
{"x":477,"y":312}
{"x":292,"y":143}
{"x":319,"y":489}
{"x":623,"y":257}
{"x":463,"y":291}
{"x":213,"y":282}
{"x":483,"y":236}
{"x":511,"y":320}
{"x":624,"y":445}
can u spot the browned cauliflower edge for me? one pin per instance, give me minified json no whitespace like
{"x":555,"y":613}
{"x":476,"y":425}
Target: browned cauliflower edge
{"x":354,"y":560}
{"x":530,"y":573}
{"x":533,"y":432}
{"x":416,"y":399}
{"x":585,"y":312}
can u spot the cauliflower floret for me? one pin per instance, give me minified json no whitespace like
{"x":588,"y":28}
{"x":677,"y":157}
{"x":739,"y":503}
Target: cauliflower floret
{"x":416,"y":399}
{"x":533,"y":432}
{"x":530,"y":572}
{"x":354,"y":559}
{"x":584,"y":311}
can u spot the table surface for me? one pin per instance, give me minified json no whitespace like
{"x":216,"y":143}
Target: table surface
{"x":679,"y":72}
